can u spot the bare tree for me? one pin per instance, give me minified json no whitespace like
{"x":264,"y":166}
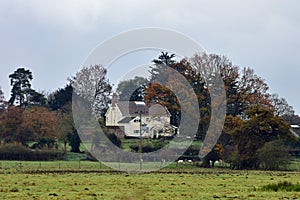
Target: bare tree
{"x":253,"y":87}
{"x":243,"y":87}
{"x":91,"y":84}
{"x":2,"y":101}
{"x":280,"y":106}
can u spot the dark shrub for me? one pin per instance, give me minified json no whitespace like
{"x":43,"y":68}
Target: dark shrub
{"x":274,"y":156}
{"x":44,"y":143}
{"x":15,"y":151}
{"x":114,"y":139}
{"x":282,"y":186}
{"x":193,"y":150}
{"x":90,"y":157}
{"x":148,"y":146}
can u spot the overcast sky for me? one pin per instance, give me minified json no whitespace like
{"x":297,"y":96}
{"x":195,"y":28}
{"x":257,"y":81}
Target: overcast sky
{"x":53,"y":38}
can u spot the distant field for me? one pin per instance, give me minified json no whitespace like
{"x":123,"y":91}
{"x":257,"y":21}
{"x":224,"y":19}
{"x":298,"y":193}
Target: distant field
{"x":89,"y":180}
{"x":74,"y":161}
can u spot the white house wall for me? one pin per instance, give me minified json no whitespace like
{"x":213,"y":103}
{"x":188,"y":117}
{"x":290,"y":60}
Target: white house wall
{"x":113,"y":115}
{"x":132,"y":126}
{"x":127,"y":129}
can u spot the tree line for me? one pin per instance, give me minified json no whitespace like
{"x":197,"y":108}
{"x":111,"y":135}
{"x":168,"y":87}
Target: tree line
{"x":256,"y":123}
{"x":40,"y":121}
{"x":256,"y":132}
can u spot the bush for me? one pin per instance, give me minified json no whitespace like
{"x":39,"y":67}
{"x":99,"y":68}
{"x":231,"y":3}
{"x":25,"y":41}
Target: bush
{"x":13,"y":152}
{"x":90,"y":156}
{"x":114,"y":139}
{"x":274,"y":156}
{"x":231,"y":155}
{"x":44,"y":143}
{"x":193,"y":150}
{"x":282,"y":186}
{"x":16,"y":151}
{"x":148,"y":146}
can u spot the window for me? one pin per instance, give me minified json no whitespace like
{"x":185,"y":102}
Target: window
{"x":144,"y":127}
{"x":136,"y":131}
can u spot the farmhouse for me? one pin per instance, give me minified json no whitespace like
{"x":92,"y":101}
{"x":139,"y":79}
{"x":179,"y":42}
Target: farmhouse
{"x":135,"y":119}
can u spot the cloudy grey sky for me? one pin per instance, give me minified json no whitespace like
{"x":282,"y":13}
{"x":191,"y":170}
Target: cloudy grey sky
{"x":53,"y":38}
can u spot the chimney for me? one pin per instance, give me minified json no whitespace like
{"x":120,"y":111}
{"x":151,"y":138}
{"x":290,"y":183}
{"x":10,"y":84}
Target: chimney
{"x":114,"y":99}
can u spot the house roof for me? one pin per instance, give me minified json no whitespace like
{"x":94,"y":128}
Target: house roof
{"x":295,"y":126}
{"x":158,"y":110}
{"x":125,"y":120}
{"x":134,"y":108}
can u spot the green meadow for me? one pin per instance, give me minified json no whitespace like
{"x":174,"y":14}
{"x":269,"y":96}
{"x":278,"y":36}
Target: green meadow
{"x":92,"y":180}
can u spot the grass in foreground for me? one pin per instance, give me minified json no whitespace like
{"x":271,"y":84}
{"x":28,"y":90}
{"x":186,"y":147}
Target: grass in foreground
{"x":184,"y":183}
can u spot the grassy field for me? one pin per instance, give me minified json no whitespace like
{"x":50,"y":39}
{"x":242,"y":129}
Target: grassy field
{"x":90,"y":180}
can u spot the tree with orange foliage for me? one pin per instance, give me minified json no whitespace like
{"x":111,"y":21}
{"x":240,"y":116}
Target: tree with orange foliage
{"x":261,"y":127}
{"x":164,"y":82}
{"x":30,"y":125}
{"x":11,"y":122}
{"x":41,"y":123}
